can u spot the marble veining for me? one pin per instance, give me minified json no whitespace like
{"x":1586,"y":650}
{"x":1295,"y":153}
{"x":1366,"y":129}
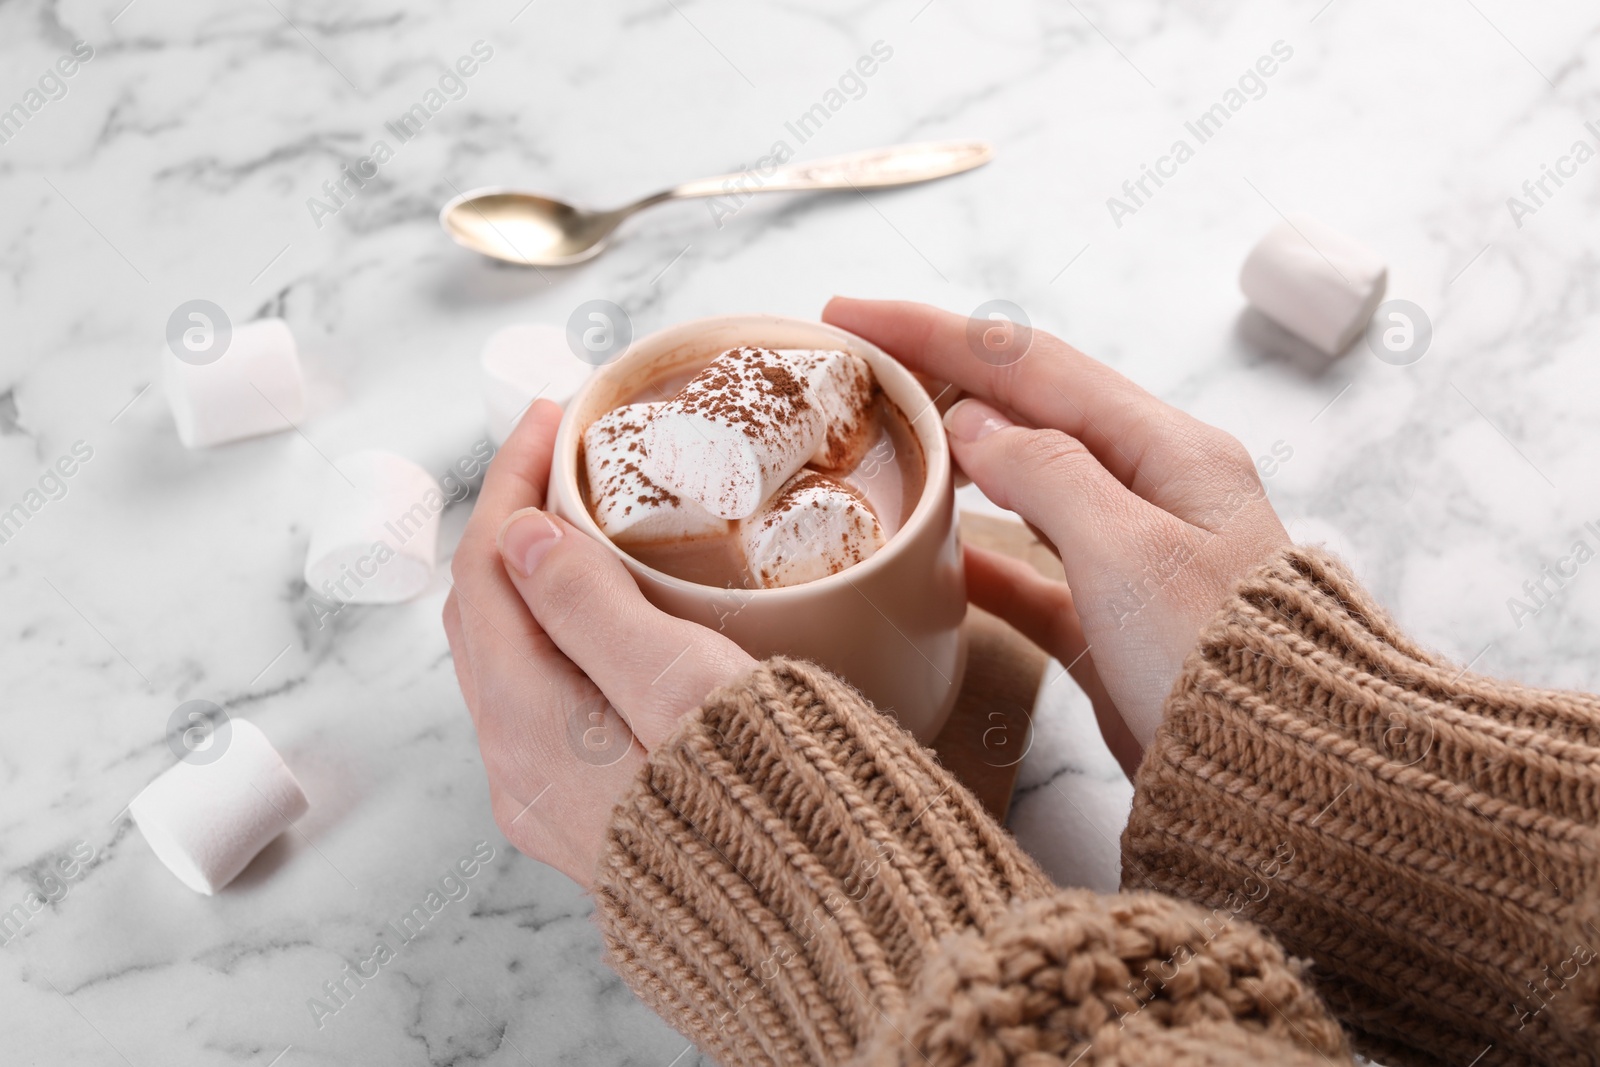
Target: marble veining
{"x":182,"y":160}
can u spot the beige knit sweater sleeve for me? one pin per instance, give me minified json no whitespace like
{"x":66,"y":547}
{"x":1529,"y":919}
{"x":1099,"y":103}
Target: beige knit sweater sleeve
{"x":793,"y":880}
{"x":1435,"y":831}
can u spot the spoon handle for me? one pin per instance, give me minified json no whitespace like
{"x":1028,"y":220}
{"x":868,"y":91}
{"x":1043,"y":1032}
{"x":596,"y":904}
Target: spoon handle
{"x":876,"y":168}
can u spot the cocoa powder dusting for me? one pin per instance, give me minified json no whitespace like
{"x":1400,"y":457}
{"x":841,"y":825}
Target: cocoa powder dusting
{"x":650,"y":492}
{"x":749,"y":389}
{"x":783,"y":501}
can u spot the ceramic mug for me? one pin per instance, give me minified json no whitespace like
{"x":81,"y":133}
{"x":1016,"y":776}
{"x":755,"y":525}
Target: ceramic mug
{"x":891,"y":624}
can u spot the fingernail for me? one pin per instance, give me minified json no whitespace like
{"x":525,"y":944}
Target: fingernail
{"x":972,"y":420}
{"x":526,"y":537}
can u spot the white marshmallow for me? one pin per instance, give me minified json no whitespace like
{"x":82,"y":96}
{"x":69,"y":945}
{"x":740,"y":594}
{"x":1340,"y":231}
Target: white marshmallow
{"x":1314,"y":282}
{"x":812,"y":527}
{"x":207,"y":821}
{"x":843,"y":386}
{"x":524,"y":362}
{"x":375,"y":536}
{"x":628,"y":507}
{"x":255,"y":387}
{"x":744,"y":425}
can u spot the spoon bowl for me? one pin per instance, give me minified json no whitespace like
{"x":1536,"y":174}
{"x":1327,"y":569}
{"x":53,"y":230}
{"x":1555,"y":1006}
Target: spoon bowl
{"x":527,"y":228}
{"x":535,"y":230}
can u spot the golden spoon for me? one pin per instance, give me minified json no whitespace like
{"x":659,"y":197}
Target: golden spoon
{"x":537,"y":230}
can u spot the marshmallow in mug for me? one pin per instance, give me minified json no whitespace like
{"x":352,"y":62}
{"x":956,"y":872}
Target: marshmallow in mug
{"x":752,"y":418}
{"x":254,"y":387}
{"x":524,"y":362}
{"x":813,"y":526}
{"x":377,"y":532}
{"x":206,"y":820}
{"x":843,"y":388}
{"x":628,"y":506}
{"x":1315,"y":282}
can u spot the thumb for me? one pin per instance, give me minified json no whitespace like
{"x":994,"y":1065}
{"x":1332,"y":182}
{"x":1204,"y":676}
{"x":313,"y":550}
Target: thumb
{"x":1057,"y":485}
{"x":651,"y":666}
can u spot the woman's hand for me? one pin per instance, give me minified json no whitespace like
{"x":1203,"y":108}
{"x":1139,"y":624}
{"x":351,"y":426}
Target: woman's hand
{"x":570,"y":674}
{"x":1155,"y":514}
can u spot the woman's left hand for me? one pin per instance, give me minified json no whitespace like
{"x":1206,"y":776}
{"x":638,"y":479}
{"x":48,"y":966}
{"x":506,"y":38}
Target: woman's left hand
{"x":571,"y":676}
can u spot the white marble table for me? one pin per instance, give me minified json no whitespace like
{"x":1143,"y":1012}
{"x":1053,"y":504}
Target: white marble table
{"x":179,"y":163}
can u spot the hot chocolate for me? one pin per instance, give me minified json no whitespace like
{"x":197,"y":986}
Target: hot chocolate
{"x":766,"y":468}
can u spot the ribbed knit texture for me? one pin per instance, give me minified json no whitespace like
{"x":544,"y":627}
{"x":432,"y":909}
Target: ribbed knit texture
{"x":1430,"y":834}
{"x":793,"y":880}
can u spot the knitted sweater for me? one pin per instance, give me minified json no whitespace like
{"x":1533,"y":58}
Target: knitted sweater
{"x":793,"y":880}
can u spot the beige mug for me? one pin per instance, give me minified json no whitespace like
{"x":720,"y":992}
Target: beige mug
{"x":891,"y":624}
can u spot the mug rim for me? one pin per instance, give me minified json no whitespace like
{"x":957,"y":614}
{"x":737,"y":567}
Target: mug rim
{"x":937,"y":474}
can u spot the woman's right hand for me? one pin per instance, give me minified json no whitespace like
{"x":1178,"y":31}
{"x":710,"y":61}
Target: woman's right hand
{"x":1156,"y":515}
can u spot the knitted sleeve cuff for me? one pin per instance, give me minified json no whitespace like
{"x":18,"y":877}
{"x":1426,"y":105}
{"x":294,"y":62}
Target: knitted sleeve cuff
{"x":785,"y":862}
{"x":794,"y":880}
{"x":1427,"y":836}
{"x":1133,"y":979}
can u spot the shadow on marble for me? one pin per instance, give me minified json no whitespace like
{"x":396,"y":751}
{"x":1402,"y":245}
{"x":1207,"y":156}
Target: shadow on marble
{"x":1264,"y":338}
{"x":279,"y":851}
